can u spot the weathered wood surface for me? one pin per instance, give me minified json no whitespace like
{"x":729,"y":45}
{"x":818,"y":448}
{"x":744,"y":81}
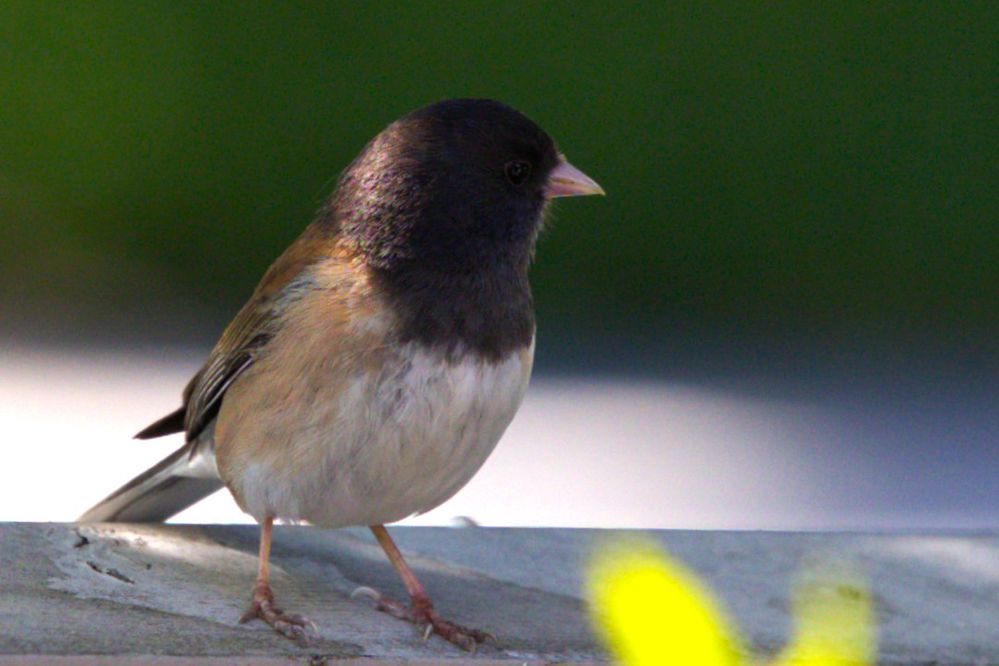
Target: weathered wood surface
{"x":173,"y":594}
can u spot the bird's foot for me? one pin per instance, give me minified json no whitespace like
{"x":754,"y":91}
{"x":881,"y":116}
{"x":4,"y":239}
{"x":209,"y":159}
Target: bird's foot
{"x":296,"y":627}
{"x":421,"y":613}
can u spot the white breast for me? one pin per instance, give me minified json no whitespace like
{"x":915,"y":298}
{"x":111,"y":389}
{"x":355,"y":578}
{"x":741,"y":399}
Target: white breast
{"x":403,"y":440}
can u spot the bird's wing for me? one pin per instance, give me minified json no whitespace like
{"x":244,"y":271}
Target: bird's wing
{"x":234,"y":353}
{"x":245,"y":337}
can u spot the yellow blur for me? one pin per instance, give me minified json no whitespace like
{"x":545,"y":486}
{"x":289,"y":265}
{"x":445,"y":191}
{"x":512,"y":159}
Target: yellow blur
{"x":651,"y":610}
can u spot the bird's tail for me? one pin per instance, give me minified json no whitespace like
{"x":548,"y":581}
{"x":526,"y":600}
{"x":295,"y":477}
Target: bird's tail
{"x":175,"y":483}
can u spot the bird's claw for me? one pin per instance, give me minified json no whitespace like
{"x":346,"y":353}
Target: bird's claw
{"x":295,"y":627}
{"x":364,"y":591}
{"x":423,"y":615}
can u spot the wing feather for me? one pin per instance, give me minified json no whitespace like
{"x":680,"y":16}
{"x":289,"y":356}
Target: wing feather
{"x":246,"y":336}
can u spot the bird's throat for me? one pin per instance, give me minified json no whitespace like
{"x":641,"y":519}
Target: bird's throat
{"x":487,"y":312}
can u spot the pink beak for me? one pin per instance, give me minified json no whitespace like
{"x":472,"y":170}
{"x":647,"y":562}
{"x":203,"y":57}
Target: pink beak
{"x":566,"y":180}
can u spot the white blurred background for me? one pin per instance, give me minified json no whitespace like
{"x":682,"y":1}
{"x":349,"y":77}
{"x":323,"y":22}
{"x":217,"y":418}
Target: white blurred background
{"x":582,"y":452}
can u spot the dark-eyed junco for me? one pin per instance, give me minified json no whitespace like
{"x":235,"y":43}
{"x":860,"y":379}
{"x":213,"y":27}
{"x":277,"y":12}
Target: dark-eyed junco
{"x":382,"y":356}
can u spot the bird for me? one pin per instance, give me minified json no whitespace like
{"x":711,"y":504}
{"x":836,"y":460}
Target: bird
{"x":382,"y":356}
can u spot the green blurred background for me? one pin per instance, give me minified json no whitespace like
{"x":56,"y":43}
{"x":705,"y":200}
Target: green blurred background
{"x":779,"y":175}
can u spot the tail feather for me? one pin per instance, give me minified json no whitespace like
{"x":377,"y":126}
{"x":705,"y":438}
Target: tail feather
{"x":175,"y":483}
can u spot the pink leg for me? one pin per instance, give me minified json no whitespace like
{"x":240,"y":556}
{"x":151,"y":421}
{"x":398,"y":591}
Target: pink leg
{"x":421,"y":609}
{"x":295,"y":627}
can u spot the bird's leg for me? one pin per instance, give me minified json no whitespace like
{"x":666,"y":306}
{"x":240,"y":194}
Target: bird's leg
{"x":421,"y":609}
{"x":295,"y":627}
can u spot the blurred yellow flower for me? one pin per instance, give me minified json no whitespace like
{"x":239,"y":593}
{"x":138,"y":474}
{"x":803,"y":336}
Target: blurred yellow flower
{"x":652,"y":611}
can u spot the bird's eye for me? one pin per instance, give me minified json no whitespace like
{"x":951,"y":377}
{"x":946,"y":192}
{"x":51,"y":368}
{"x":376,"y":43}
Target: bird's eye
{"x":518,"y":171}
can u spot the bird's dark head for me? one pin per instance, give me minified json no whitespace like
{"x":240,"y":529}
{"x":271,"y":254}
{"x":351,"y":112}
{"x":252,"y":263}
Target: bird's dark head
{"x":444,"y":207}
{"x":455,"y":186}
